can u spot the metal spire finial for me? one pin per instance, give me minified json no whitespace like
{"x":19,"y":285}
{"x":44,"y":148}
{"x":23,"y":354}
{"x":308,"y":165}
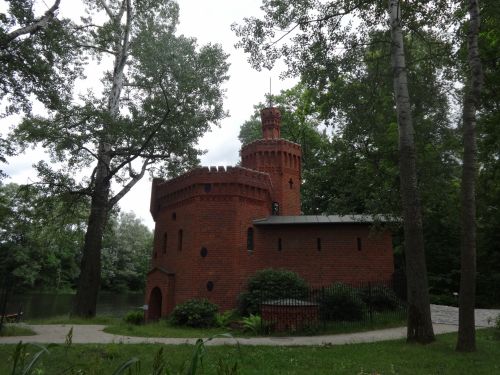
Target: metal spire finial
{"x":270,"y":93}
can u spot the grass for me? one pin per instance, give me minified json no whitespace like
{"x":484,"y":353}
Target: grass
{"x":391,"y":357}
{"x":162,"y":329}
{"x":65,"y":319}
{"x":165,"y":329}
{"x":16,"y":330}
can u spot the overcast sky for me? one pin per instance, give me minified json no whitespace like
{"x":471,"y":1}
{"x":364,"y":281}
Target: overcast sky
{"x":208,"y":21}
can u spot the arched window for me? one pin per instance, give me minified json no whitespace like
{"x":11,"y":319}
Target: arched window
{"x":179,"y":240}
{"x":250,"y":239}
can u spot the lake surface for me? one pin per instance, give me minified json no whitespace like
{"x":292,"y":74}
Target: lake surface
{"x":46,"y":305}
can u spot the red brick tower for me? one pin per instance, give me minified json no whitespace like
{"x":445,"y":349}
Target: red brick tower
{"x":278,"y":157}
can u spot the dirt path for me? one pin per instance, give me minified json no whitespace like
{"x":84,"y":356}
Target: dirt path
{"x":445,"y":320}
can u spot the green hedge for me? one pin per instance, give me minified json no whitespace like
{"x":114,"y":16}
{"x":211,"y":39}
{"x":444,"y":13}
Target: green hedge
{"x":195,"y":313}
{"x":270,"y":284}
{"x":342,"y":303}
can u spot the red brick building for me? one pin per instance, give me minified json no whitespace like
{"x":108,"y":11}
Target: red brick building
{"x":215,"y":227}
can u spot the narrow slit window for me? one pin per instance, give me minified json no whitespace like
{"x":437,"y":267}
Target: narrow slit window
{"x":318,"y":244}
{"x":279,"y":244}
{"x":165,"y":241}
{"x":359,"y":244}
{"x":250,"y":239}
{"x":179,"y":240}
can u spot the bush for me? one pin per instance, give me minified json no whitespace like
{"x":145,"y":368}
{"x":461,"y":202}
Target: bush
{"x":270,"y":284}
{"x":380,"y":298}
{"x":195,"y":313}
{"x":253,"y":323}
{"x":341,"y":302}
{"x":134,"y":317}
{"x":223,"y":319}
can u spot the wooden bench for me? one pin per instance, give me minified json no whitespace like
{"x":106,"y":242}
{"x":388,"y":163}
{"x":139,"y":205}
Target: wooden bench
{"x":13,"y":318}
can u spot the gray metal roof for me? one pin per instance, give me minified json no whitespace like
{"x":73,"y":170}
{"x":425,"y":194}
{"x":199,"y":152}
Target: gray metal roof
{"x":289,"y":302}
{"x":322,"y":219}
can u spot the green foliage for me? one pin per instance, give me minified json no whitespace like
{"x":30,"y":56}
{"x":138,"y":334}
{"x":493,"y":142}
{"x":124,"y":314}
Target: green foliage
{"x":270,"y":284}
{"x":126,"y":251}
{"x":253,"y":323}
{"x":195,"y":313}
{"x":341,"y":302}
{"x":23,"y":363}
{"x":224,"y":319}
{"x":134,"y":317}
{"x":40,"y":237}
{"x":380,"y":298}
{"x":43,"y":62}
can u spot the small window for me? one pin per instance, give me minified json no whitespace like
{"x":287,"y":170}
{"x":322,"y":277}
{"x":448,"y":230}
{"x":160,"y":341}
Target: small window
{"x":279,"y":244}
{"x":359,"y":244}
{"x":250,"y":239}
{"x":290,"y":182}
{"x":155,"y":255}
{"x":179,"y":240}
{"x":203,"y":252}
{"x":165,"y":240}
{"x":174,"y":216}
{"x":275,"y":209}
{"x":207,"y":188}
{"x":210,"y":286}
{"x":318,"y":244}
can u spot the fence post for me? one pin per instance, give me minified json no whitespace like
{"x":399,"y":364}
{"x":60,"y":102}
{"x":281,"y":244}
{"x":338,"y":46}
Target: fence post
{"x":370,"y":302}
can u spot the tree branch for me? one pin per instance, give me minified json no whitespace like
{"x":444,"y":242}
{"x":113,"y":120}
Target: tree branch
{"x":97,"y":48}
{"x":114,"y":200}
{"x":32,"y":28}
{"x":107,"y":9}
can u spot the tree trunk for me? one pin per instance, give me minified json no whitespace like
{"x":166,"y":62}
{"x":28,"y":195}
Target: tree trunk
{"x":419,"y":315}
{"x":90,"y":267}
{"x":466,"y":341}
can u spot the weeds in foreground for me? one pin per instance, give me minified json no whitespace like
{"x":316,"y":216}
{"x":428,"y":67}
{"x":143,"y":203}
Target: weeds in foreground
{"x":25,"y":364}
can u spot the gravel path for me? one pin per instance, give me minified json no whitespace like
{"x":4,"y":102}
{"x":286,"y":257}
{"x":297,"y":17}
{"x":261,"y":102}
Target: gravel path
{"x":449,"y":315}
{"x":86,"y":334}
{"x":445,"y":320}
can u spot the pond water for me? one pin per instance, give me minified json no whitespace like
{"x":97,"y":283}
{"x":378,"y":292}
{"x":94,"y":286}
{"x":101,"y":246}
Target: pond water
{"x":46,"y":305}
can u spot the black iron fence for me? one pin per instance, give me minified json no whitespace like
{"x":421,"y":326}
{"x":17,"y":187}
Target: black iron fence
{"x":333,"y":308}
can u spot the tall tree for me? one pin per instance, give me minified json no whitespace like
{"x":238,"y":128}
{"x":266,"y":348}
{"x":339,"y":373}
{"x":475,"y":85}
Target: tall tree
{"x":466,"y":341}
{"x":419,"y":314}
{"x":329,"y":36}
{"x":161,"y":94}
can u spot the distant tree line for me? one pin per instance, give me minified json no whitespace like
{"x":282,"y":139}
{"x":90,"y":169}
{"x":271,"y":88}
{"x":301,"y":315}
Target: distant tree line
{"x":41,"y":241}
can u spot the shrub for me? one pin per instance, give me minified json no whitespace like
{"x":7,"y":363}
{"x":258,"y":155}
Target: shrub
{"x":380,"y":298}
{"x":134,"y":317}
{"x":223,"y":319}
{"x":270,"y":284}
{"x":341,"y":302}
{"x":195,"y":313}
{"x":253,"y":323}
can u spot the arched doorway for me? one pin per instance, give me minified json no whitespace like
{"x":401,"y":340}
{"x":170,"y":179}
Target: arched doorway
{"x":154,"y":306}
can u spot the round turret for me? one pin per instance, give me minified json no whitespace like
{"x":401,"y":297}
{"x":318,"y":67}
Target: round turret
{"x":271,"y":123}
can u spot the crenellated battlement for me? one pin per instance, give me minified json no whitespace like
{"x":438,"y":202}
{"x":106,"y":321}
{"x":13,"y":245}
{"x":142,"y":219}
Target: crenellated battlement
{"x":211,"y":181}
{"x":279,"y":144}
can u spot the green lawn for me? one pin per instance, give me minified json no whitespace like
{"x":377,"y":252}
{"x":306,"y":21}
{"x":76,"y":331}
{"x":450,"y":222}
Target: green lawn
{"x":15,"y":329}
{"x":165,"y":329}
{"x":392,"y":357}
{"x":65,"y":319}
